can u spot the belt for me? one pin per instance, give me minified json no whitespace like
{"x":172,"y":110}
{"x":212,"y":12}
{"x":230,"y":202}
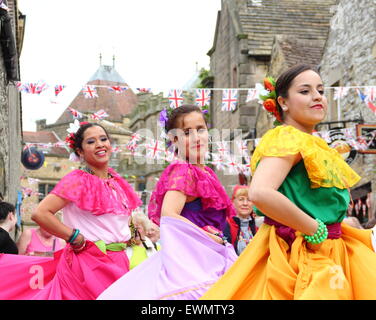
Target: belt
{"x":288,"y":234}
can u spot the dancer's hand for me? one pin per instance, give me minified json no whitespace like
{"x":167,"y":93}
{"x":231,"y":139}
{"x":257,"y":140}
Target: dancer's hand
{"x":314,"y":247}
{"x":215,"y":238}
{"x":79,"y":243}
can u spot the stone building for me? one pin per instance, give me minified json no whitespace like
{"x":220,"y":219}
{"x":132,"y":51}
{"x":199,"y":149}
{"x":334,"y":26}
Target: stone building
{"x":349,"y":59}
{"x":12,"y":25}
{"x":244,"y":45}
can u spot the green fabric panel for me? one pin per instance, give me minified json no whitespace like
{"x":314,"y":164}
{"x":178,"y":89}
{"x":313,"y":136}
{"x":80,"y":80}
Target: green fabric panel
{"x":327,"y":204}
{"x":139,"y":254}
{"x":115,"y":246}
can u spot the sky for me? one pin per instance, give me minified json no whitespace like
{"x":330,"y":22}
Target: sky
{"x":156,"y":45}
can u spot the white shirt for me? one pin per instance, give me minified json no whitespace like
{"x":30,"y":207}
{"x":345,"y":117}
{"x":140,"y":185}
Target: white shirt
{"x":107,"y":227}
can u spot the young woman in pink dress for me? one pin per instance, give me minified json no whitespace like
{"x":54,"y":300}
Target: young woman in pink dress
{"x":190,"y":205}
{"x":97,"y":205}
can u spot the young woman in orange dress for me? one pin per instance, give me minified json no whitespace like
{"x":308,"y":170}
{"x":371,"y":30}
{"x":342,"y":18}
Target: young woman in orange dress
{"x":303,"y":250}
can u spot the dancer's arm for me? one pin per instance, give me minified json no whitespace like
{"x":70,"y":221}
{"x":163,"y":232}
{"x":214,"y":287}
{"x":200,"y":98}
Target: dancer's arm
{"x":270,"y":174}
{"x":172,"y":206}
{"x":44,"y":215}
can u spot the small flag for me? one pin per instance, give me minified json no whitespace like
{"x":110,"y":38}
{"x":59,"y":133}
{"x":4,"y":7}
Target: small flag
{"x":35,"y":88}
{"x":117,"y":89}
{"x":90,"y":92}
{"x":371,"y":93}
{"x":155,"y":149}
{"x":144,"y":90}
{"x":58,"y":89}
{"x":229,"y":99}
{"x":99,"y":115}
{"x":252,"y":94}
{"x":202,"y":97}
{"x":76,"y":114}
{"x":175,"y":97}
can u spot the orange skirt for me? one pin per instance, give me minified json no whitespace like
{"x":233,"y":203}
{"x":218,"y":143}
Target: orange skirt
{"x":342,"y":268}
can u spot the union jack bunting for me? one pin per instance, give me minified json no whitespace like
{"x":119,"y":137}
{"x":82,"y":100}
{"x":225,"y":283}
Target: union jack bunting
{"x":252,"y":94}
{"x":90,"y":92}
{"x":117,"y":89}
{"x":155,"y":149}
{"x":58,"y":89}
{"x":144,"y":90}
{"x":367,"y":101}
{"x":132,"y":144}
{"x":175,"y":97}
{"x":76,"y":114}
{"x":35,"y":88}
{"x":229,"y":99}
{"x":99,"y":115}
{"x":19,"y":86}
{"x":340,"y":92}
{"x":371,"y":93}
{"x":202,"y":97}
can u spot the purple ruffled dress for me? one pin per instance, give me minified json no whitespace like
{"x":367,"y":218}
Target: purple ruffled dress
{"x":189,"y":261}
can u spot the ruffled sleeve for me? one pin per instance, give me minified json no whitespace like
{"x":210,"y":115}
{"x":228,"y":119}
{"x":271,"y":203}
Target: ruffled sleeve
{"x":99,"y":196}
{"x":192,"y":181}
{"x":324,"y":165}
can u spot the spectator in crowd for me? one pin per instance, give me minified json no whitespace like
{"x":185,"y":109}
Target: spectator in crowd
{"x":153,"y":234}
{"x":240,"y":229}
{"x":141,"y":247}
{"x":38,"y":242}
{"x":8,"y":222}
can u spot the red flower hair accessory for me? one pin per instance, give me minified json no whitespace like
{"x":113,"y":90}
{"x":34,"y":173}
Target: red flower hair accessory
{"x":269,"y":98}
{"x":73,"y":128}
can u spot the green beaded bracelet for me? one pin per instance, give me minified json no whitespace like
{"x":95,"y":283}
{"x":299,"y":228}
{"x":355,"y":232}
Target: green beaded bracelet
{"x":320,"y":235}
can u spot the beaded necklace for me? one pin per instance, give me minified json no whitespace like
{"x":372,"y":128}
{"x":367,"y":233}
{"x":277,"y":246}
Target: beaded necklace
{"x":90,"y":171}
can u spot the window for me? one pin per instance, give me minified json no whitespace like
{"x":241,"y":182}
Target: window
{"x":44,"y":189}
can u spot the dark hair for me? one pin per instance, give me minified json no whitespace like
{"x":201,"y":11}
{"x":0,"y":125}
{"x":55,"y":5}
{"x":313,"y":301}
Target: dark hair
{"x":79,"y":135}
{"x":5,"y":209}
{"x":177,"y":113}
{"x":285,"y":80}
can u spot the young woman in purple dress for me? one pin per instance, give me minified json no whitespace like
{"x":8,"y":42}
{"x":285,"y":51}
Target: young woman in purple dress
{"x":190,"y":205}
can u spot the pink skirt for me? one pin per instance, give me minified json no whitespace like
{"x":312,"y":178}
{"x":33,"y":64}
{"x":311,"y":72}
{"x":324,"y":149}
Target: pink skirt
{"x":66,"y":276}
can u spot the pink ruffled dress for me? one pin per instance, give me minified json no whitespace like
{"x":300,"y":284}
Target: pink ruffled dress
{"x":100,"y":209}
{"x":189,"y":261}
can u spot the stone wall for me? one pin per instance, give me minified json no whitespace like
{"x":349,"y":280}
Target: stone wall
{"x":350,"y":60}
{"x":51,"y":172}
{"x":10,"y":137}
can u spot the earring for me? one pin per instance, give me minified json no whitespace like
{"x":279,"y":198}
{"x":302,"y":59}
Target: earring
{"x":284,"y":108}
{"x":82,"y":159}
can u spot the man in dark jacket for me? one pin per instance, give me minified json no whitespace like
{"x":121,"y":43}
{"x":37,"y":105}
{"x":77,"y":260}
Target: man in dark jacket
{"x":8,"y":222}
{"x":240,"y":229}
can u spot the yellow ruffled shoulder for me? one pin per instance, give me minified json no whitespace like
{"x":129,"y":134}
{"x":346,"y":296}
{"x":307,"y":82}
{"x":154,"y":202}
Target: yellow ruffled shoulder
{"x":324,"y":165}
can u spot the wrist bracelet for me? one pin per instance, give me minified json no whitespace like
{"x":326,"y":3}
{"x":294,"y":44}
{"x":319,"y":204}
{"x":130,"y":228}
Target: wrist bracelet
{"x":320,"y":235}
{"x":73,"y":236}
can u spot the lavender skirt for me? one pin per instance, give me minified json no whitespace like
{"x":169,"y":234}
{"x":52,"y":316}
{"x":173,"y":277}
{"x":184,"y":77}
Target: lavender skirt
{"x":187,"y":265}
